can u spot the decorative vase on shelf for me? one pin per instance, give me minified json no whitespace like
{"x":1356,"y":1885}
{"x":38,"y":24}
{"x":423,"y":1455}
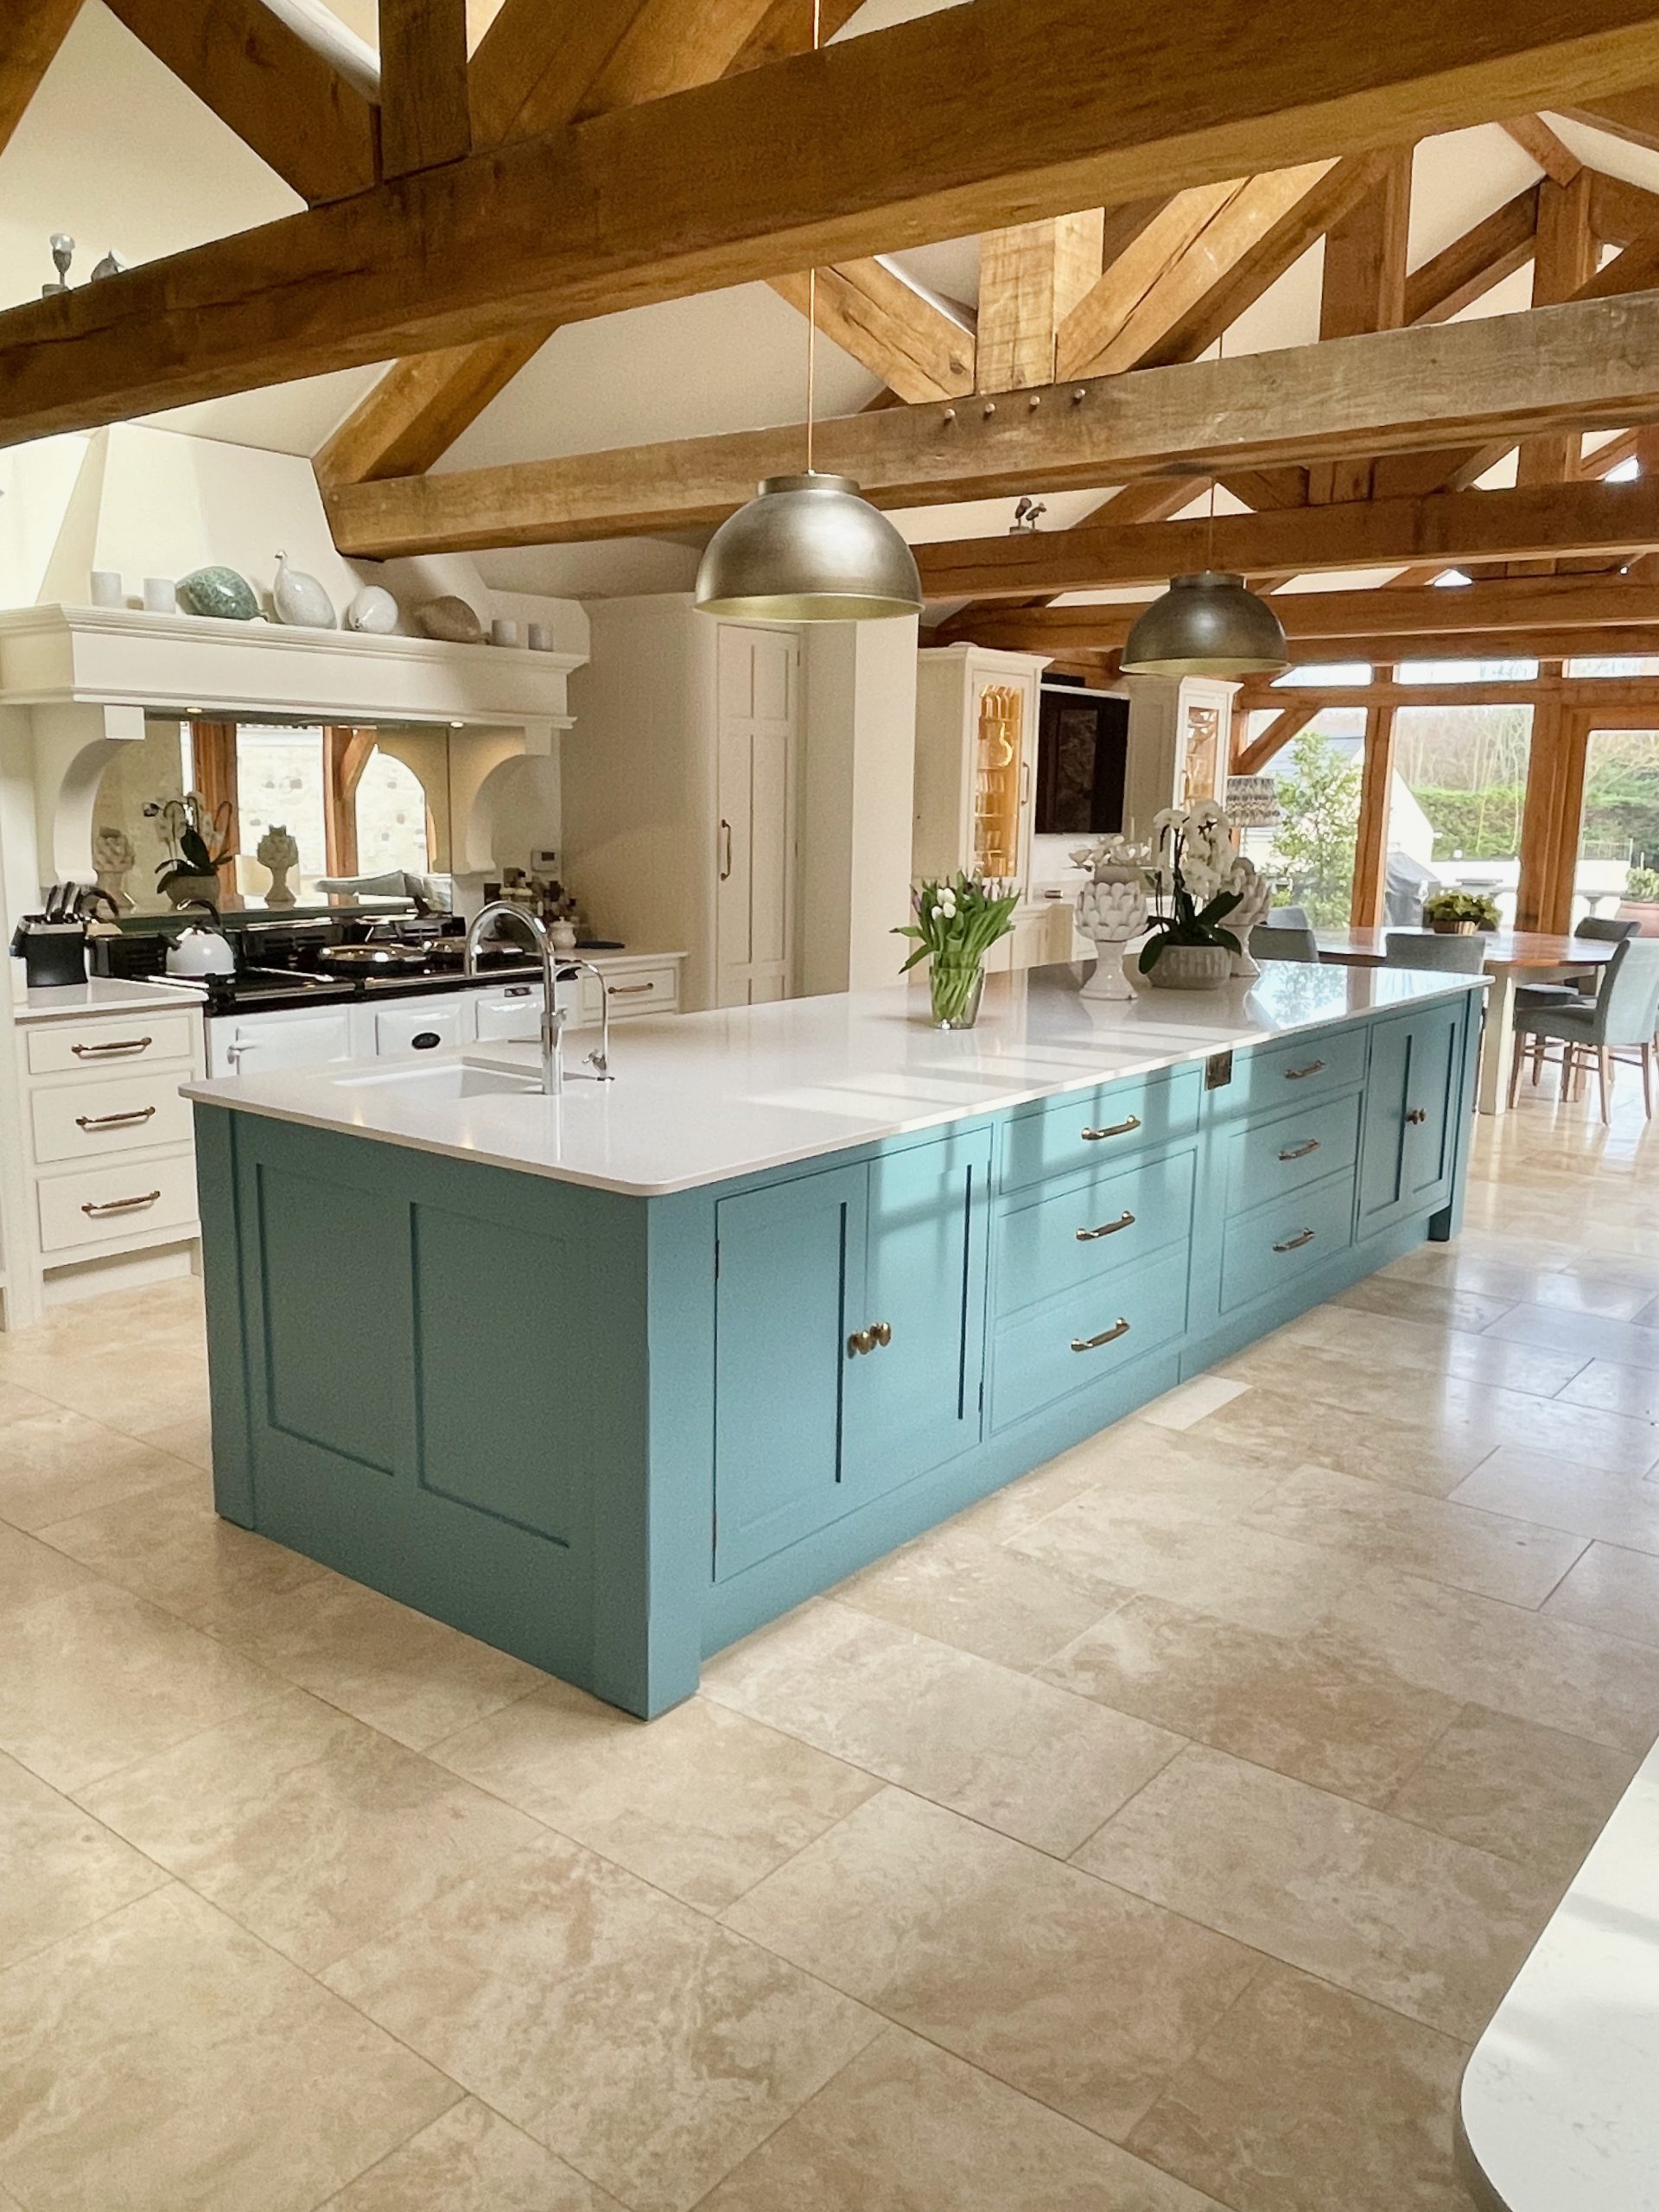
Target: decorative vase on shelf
{"x":1111,"y":909}
{"x":1255,"y":897}
{"x":192,"y":890}
{"x":218,"y":592}
{"x":373,"y":612}
{"x":114,"y":856}
{"x":1191,"y":967}
{"x":955,"y":989}
{"x":278,"y":851}
{"x":298,"y":600}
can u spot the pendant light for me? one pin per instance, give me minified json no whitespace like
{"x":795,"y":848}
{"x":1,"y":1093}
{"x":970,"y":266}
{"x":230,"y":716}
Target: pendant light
{"x":807,"y":548}
{"x":1209,"y":624}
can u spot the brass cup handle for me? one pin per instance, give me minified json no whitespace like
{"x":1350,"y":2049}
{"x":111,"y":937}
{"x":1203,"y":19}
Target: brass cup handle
{"x":628,"y":990}
{"x":1117,"y":1129}
{"x":1295,"y":1244}
{"x":1106,"y":1337}
{"x":121,"y":1205}
{"x":1301,"y":1151}
{"x":1418,"y":1114}
{"x":874,"y":1339}
{"x":1106,"y":1228}
{"x":1295,"y":1075}
{"x":114,"y":1120}
{"x":726,"y":861}
{"x":116,"y":1045}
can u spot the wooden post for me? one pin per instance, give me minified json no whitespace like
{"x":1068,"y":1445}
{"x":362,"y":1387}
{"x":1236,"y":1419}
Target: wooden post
{"x":1364,"y":290}
{"x":346,"y":754}
{"x":1549,"y":822}
{"x":214,"y":773}
{"x":1371,"y":840}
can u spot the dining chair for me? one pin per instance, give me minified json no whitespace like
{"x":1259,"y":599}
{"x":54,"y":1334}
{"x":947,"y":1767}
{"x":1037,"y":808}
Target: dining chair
{"x":1460,"y":955}
{"x":1288,"y":918}
{"x":1574,"y":990}
{"x":1620,"y":1019}
{"x":1273,"y":944}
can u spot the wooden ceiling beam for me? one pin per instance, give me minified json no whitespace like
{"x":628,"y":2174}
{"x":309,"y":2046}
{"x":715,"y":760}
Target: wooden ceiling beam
{"x":1131,"y":273}
{"x":282,"y":95}
{"x":1546,"y":147}
{"x":890,"y":328}
{"x":1475,"y":264}
{"x":1621,"y":212}
{"x":1595,"y":364}
{"x":1445,"y":529}
{"x":35,"y":29}
{"x":1633,"y":115}
{"x":423,"y":111}
{"x":951,"y":122}
{"x":787,"y":28}
{"x":1031,"y":277}
{"x":1363,"y":288}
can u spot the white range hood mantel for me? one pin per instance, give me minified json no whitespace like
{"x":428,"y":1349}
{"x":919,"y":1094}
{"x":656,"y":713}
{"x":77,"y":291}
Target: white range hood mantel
{"x":93,"y":655}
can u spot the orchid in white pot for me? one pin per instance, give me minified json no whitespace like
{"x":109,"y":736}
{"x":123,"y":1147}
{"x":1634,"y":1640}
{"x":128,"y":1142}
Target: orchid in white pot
{"x":1193,"y":896}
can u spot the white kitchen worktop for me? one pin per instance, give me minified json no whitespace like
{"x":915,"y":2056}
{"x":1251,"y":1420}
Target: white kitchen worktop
{"x":704,"y":1097}
{"x":96,"y":998}
{"x":1560,"y":2108}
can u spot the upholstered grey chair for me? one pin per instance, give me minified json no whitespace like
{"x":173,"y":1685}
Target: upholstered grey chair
{"x":1621,"y":1018}
{"x":1288,"y":918}
{"x":1607,"y":929}
{"x":1461,"y":955}
{"x":1273,"y":944}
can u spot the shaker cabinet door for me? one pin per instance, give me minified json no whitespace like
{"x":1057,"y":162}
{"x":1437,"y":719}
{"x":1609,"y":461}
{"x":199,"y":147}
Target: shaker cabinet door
{"x":784,"y":1256}
{"x":912,"y":1400}
{"x":1410,"y":1139}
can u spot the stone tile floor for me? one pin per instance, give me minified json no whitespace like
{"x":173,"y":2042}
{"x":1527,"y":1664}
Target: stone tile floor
{"x":1156,"y":1836}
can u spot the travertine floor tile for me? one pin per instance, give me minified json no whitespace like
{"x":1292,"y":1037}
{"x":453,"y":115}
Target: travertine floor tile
{"x":959,"y":1587}
{"x":136,"y":1387}
{"x":165,"y":2057}
{"x":169,"y":1546}
{"x":190,"y":1439}
{"x":1070,"y":1990}
{"x":1022,"y":1757}
{"x":1191,"y":1555}
{"x":1607,"y":1387}
{"x":1390,"y":1345}
{"x":1612,"y":1590}
{"x":472,"y":2160}
{"x":703,"y":1802}
{"x":59,"y":1870}
{"x":1190,"y":1402}
{"x":406,"y":1675}
{"x":1295,"y":1703}
{"x":1595,"y":1335}
{"x":55,"y":1463}
{"x":1433,"y":1928}
{"x":650,"y":2047}
{"x":904,"y":2128}
{"x":1384,"y":1526}
{"x":1552,"y":1489}
{"x":1307,"y":2098}
{"x":310,"y":1828}
{"x":1292,"y":1429}
{"x":1528,"y":1664}
{"x":1446,"y":1304}
{"x":1530,"y":1794}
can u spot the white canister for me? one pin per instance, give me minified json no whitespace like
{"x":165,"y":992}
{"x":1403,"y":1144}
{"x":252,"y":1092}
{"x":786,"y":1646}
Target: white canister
{"x":541,"y":638}
{"x":161,"y":595}
{"x":108,"y":588}
{"x":503,"y":631}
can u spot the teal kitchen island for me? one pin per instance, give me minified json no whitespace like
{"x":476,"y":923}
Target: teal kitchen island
{"x":611,"y":1379}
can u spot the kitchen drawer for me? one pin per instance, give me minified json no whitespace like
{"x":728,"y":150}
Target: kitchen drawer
{"x":1308,"y":1067}
{"x":1078,"y":1341}
{"x":76,"y":1121}
{"x":133,"y":1040}
{"x":422,"y":1027}
{"x":635,"y":990}
{"x":1087,"y":1128}
{"x":1047,"y":1243}
{"x":148,"y":1197}
{"x":1273,"y":1244}
{"x":514,"y":1010}
{"x":1270,"y":1159}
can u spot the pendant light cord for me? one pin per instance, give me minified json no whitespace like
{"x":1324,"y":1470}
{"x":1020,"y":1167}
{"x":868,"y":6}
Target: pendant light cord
{"x":812,"y":292}
{"x":1210,"y":539}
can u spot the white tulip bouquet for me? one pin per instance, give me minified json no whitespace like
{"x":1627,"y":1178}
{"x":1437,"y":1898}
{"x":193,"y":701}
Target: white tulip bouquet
{"x":957,"y":920}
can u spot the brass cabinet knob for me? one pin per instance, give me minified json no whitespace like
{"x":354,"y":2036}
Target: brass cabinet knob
{"x":882,"y":1332}
{"x":1418,"y":1114}
{"x":878,"y":1334}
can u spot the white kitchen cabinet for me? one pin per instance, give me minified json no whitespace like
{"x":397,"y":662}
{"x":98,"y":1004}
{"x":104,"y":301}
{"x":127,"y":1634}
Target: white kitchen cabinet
{"x":419,"y":1025}
{"x":757,"y":712}
{"x":302,"y":1037}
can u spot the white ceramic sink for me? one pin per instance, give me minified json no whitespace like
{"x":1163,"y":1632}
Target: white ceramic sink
{"x":451,"y":1080}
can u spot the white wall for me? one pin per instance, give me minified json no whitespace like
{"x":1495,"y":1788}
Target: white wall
{"x":857,"y":802}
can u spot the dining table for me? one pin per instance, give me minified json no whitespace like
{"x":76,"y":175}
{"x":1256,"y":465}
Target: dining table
{"x":1509,"y":956}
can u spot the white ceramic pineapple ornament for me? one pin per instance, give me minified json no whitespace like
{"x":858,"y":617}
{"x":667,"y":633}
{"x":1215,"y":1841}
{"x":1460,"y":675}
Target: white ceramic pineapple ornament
{"x":1112,"y":910}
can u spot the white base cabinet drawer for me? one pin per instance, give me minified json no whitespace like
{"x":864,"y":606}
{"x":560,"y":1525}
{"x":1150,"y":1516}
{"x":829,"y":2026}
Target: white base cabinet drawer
{"x":637,"y":990}
{"x":417,"y":1028}
{"x":140,"y":1198}
{"x":131,"y":1040}
{"x":78,"y":1121}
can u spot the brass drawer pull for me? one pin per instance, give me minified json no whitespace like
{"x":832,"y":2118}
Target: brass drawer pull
{"x":90,"y":1121}
{"x":1117,"y":1129}
{"x":1106,"y":1337}
{"x":1418,"y":1114}
{"x":628,"y":990}
{"x":876,"y":1337}
{"x":1296,"y":1242}
{"x":1301,"y":1151}
{"x":1106,"y":1228}
{"x":116,"y":1045}
{"x":121,"y":1205}
{"x":1313,"y":1067}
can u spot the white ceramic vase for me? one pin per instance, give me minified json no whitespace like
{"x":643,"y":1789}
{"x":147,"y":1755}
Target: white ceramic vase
{"x":1191,"y":967}
{"x":299,"y":600}
{"x":1111,"y":910}
{"x":373,"y":612}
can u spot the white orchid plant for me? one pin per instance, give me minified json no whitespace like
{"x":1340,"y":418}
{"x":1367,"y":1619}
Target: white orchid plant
{"x":1191,"y":879}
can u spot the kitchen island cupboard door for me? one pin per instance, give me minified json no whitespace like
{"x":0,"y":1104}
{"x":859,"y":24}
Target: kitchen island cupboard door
{"x":781,"y":1319}
{"x":912,"y":1400}
{"x":1410,"y":1144}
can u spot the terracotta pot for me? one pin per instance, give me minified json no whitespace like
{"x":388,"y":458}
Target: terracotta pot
{"x":1191,"y":967}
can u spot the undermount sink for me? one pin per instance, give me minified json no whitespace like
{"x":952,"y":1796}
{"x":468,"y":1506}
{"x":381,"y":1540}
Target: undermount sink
{"x":452,"y":1080}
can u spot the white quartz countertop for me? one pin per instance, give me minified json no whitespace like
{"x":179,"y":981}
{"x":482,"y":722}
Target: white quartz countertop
{"x":1560,"y":2108}
{"x":706,"y":1097}
{"x":98,"y":996}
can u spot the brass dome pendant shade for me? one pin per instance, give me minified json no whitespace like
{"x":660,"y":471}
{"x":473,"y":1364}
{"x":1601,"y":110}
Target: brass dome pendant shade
{"x":807,"y":549}
{"x":1207,"y":625}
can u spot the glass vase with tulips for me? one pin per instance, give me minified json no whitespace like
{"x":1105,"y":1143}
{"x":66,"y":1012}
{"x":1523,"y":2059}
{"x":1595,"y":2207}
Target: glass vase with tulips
{"x":956,"y":921}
